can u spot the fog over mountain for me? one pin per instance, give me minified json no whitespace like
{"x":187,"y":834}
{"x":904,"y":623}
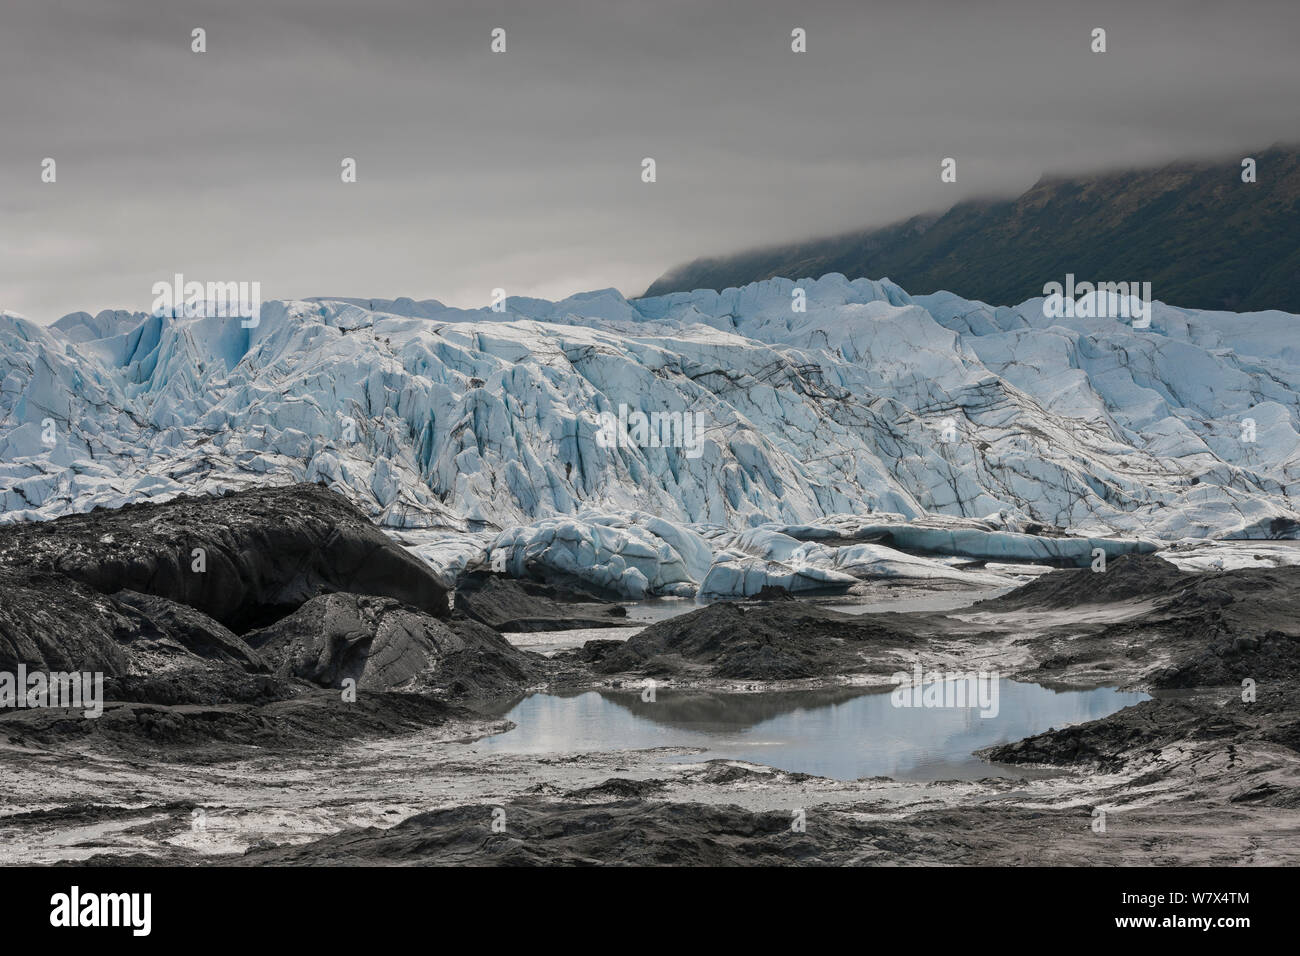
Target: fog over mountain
{"x":522,"y":170}
{"x":1199,"y":232}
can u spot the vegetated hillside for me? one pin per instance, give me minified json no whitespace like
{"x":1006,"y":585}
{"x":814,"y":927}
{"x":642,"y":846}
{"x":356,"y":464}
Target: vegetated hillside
{"x":1195,"y":231}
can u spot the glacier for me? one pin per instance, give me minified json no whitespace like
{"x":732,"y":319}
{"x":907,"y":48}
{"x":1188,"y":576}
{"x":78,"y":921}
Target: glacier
{"x":875,"y":435}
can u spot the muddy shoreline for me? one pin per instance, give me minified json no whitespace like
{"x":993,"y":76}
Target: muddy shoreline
{"x":1198,"y":779}
{"x":263,"y":758}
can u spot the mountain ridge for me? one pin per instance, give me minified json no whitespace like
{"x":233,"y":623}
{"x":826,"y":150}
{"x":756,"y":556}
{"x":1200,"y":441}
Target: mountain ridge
{"x":1187,"y":227}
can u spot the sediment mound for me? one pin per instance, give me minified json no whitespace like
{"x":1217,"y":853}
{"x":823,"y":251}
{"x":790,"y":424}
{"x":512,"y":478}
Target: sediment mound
{"x":1149,"y":624}
{"x":1144,"y":729}
{"x":623,"y":832}
{"x":1236,"y":625}
{"x":311,"y":720}
{"x":1230,"y":660}
{"x":777,"y":641}
{"x":1130,"y":577}
{"x":508,"y":604}
{"x":167,"y":623}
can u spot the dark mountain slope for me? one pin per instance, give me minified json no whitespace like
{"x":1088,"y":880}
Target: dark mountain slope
{"x":1195,"y":231}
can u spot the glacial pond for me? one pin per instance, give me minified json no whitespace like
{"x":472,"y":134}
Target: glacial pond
{"x":844,"y":733}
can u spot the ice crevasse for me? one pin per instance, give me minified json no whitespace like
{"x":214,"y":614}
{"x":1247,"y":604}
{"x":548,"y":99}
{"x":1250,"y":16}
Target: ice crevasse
{"x":874,"y":435}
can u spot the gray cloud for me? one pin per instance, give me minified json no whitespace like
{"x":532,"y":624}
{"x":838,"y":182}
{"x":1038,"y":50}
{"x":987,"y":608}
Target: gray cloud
{"x":523,"y":170}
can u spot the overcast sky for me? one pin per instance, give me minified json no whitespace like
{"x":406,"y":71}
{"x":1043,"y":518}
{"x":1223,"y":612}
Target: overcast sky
{"x":523,"y":170}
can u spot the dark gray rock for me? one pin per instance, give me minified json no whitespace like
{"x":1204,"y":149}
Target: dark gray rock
{"x":540,"y":831}
{"x":117,"y":591}
{"x":1130,"y":577}
{"x":267,"y":551}
{"x":748,"y":641}
{"x":311,"y":720}
{"x":507,"y":604}
{"x":164,"y":627}
{"x":51,"y":623}
{"x":385,"y":645}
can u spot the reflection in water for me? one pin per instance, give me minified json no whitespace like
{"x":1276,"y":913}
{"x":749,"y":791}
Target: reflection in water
{"x":841,"y":732}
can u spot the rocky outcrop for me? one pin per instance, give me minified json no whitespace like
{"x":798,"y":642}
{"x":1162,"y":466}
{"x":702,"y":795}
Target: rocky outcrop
{"x":51,"y":623}
{"x":164,"y":626}
{"x":155,"y":598}
{"x":244,"y":559}
{"x":384,"y":645}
